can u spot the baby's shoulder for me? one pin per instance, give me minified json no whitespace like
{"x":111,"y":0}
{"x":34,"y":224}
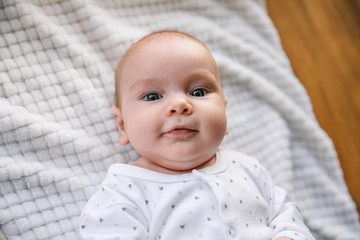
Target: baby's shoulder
{"x":239,"y":158}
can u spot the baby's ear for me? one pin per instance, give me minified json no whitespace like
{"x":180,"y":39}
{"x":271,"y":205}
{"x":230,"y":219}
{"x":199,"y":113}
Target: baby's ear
{"x":227,"y":132}
{"x":226,"y":100}
{"x":123,"y":140}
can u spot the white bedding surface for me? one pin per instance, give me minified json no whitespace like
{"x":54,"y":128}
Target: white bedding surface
{"x":58,"y":136}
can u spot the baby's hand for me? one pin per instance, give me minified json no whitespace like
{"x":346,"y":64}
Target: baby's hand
{"x":283,"y":238}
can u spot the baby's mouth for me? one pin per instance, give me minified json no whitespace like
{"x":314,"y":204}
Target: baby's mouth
{"x":181,"y":131}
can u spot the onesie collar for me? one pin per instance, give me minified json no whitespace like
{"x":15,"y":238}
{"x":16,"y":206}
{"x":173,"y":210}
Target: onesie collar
{"x":135,"y":172}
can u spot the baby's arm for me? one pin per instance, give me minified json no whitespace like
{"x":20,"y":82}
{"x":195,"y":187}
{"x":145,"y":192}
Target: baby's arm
{"x":120,"y":222}
{"x":286,"y":220}
{"x":108,"y":215}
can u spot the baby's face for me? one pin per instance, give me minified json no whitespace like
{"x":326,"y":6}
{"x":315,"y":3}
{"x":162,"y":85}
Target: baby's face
{"x":172,"y":103}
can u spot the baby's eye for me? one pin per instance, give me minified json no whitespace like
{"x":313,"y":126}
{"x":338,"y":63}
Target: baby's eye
{"x":200,"y":92}
{"x":151,"y":97}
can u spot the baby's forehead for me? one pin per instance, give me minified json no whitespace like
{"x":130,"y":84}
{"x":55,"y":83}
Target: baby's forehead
{"x":155,"y":41}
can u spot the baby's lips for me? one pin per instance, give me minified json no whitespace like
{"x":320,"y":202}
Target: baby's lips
{"x":181,"y":130}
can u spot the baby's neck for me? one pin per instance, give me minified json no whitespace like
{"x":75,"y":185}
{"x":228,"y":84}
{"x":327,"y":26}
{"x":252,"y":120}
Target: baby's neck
{"x":144,"y":163}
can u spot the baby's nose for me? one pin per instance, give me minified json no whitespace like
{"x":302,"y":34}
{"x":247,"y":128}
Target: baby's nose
{"x":181,"y":107}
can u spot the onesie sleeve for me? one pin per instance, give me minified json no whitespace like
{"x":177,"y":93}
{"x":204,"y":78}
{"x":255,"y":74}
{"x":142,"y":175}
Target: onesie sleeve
{"x":109,"y":214}
{"x":285,"y":217}
{"x":286,"y":220}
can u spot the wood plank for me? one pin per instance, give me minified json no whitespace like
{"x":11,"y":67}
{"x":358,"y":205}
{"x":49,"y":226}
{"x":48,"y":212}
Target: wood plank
{"x":322,"y":41}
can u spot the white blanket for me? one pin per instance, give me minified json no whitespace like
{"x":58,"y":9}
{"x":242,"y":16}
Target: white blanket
{"x":58,"y":136}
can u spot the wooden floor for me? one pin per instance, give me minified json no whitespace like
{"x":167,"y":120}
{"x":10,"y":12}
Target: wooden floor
{"x":322,"y":41}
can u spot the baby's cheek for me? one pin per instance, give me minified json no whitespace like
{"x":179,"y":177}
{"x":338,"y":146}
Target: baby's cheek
{"x":219,"y":123}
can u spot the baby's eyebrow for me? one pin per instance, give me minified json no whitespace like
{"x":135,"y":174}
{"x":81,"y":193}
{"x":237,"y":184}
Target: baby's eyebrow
{"x":145,"y":82}
{"x":204,"y":77}
{"x":202,"y":74}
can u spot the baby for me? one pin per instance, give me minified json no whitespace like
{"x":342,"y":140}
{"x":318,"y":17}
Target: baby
{"x":170,"y":106}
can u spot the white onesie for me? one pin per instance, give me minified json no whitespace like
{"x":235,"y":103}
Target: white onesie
{"x":232,"y":199}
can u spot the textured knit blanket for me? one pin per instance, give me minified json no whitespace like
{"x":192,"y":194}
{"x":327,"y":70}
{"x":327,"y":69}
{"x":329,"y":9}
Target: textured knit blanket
{"x":58,"y":136}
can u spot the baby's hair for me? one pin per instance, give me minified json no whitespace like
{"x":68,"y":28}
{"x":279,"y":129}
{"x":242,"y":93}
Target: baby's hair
{"x":164,"y":34}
